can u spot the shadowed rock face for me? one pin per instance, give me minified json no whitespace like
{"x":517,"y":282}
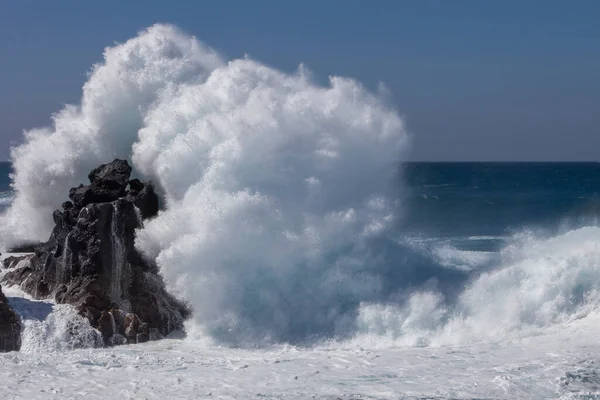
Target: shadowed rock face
{"x":108,"y":183}
{"x":90,"y":260}
{"x":10,"y":327}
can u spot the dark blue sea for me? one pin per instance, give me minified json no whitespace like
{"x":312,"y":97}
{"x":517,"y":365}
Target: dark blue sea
{"x":476,"y":205}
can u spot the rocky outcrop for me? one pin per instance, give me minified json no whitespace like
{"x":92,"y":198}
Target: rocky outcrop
{"x":90,"y":260}
{"x":10,"y":327}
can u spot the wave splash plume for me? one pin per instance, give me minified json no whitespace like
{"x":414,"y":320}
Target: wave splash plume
{"x":278,"y":207}
{"x":273,"y":186}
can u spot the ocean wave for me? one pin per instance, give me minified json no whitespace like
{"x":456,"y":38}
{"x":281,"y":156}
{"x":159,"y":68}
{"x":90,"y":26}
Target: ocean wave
{"x":50,"y":327}
{"x":534,"y":285}
{"x":466,"y":260}
{"x":483,"y":237}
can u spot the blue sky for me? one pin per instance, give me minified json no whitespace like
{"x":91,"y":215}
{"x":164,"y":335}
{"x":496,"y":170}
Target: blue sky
{"x":476,"y":80}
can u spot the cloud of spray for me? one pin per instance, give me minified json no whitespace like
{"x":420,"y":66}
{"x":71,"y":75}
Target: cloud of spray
{"x":105,"y":125}
{"x":278,"y":200}
{"x":275,"y":187}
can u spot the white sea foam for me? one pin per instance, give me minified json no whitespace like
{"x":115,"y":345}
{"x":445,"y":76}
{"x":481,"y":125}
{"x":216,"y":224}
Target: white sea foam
{"x":50,"y":327}
{"x":465,"y":260}
{"x":536,"y":284}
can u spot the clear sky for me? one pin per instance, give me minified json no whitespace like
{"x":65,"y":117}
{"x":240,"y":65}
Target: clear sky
{"x":476,"y":80}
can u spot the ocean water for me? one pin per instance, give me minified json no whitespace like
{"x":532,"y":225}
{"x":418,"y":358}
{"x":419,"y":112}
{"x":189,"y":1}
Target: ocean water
{"x":478,"y":205}
{"x":5,"y":189}
{"x":317,"y":262}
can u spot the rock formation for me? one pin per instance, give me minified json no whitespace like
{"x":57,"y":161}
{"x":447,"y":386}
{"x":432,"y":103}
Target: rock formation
{"x":91,"y":263}
{"x":10,"y":327}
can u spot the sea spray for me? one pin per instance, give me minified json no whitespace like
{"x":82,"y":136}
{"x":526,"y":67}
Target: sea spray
{"x":48,"y":327}
{"x":277,"y":207}
{"x":103,"y":126}
{"x":275,"y":188}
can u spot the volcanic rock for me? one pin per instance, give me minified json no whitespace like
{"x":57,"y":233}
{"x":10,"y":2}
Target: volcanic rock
{"x":10,"y":327}
{"x":90,"y":260}
{"x":23,"y":248}
{"x":115,"y":174}
{"x":136,"y":185}
{"x":145,"y":200}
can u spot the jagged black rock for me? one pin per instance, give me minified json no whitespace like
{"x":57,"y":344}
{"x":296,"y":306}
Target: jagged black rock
{"x":90,"y":260}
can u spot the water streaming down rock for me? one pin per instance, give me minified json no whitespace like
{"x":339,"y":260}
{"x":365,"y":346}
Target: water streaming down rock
{"x":67,"y":261}
{"x":140,"y":218}
{"x":90,"y":260}
{"x":120,"y":274}
{"x":113,"y":323}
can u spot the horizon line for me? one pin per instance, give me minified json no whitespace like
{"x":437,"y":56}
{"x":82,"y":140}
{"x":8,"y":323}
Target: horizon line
{"x":473,"y":161}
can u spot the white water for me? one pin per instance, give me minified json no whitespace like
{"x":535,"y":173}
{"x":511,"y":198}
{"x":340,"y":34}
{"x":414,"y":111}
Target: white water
{"x":532,"y":286}
{"x":138,"y":214}
{"x":279,"y":206}
{"x":67,"y":260}
{"x":525,"y":329}
{"x":113,"y":323}
{"x":267,"y":176}
{"x":561,"y":364}
{"x":118,"y":255}
{"x":49,"y":327}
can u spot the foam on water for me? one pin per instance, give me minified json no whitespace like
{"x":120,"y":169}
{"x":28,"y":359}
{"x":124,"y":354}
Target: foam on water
{"x":63,"y":329}
{"x":466,"y":260}
{"x":49,"y":327}
{"x":536,"y":284}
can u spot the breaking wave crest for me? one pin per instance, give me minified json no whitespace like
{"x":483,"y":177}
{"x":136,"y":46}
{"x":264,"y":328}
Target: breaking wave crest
{"x":49,"y":327}
{"x":535,"y":284}
{"x":63,"y":329}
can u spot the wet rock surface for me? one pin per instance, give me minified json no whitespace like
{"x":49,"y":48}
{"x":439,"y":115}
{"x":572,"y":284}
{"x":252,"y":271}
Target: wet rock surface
{"x":90,"y":260}
{"x":10,"y":327}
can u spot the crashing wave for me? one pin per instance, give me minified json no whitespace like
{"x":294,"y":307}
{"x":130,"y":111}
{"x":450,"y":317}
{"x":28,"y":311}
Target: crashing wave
{"x":278,"y":204}
{"x":273,"y":184}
